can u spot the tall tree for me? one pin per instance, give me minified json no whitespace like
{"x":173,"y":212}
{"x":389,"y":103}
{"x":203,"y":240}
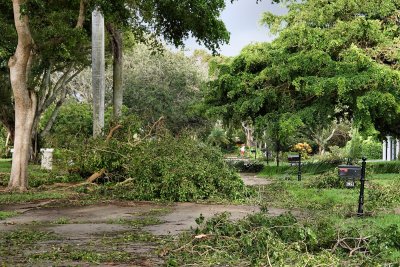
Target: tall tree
{"x":117,"y":50}
{"x":164,"y":85}
{"x":25,"y":97}
{"x":331,"y":60}
{"x":339,"y":56}
{"x":39,"y":21}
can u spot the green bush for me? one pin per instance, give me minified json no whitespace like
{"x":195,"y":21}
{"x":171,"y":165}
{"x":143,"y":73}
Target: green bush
{"x":326,"y":180}
{"x":371,"y":148}
{"x":307,"y":167}
{"x":74,"y":121}
{"x":246,"y":166}
{"x":384,"y":167}
{"x":3,"y":137}
{"x":163,"y":167}
{"x":383,"y":196}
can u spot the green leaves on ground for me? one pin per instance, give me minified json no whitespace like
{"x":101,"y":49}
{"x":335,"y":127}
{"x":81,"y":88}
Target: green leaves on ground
{"x":260,"y":240}
{"x":162,"y":167}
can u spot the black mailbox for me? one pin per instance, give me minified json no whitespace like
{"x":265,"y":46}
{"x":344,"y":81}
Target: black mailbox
{"x":293,"y":159}
{"x":349,"y":173}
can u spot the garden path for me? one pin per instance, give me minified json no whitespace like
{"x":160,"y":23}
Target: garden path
{"x":87,"y":225}
{"x":108,"y":216}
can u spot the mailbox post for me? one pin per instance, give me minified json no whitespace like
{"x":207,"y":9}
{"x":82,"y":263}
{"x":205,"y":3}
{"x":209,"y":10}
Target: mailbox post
{"x":255,"y":152}
{"x":350,"y":173}
{"x":296,"y":160}
{"x":360,"y":210}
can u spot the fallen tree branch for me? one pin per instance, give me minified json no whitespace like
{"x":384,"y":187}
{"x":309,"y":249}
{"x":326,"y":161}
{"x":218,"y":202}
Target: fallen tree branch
{"x":110,"y":134}
{"x":95,"y":176}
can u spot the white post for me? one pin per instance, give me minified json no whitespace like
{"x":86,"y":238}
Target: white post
{"x":389,"y":148}
{"x":47,"y":158}
{"x":384,"y":148}
{"x":98,"y":72}
{"x":397,"y":148}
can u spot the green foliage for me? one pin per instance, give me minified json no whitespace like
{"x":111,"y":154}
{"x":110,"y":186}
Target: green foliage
{"x":74,"y":121}
{"x":383,"y":196}
{"x":371,"y":148}
{"x":326,"y":180}
{"x":335,"y":154}
{"x":3,"y":149}
{"x":163,"y":167}
{"x":7,"y":214}
{"x":260,"y":240}
{"x":354,"y":146}
{"x":328,"y":62}
{"x":170,"y":89}
{"x":37,"y":176}
{"x":247,"y":165}
{"x":384,"y":167}
{"x":307,"y":167}
{"x":217,"y":137}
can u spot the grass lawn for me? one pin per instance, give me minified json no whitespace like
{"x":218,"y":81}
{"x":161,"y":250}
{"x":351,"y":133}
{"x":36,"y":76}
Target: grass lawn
{"x":325,"y":221}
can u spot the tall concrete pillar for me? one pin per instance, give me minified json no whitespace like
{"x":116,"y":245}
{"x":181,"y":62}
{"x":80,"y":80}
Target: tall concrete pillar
{"x":98,"y":72}
{"x":389,"y":148}
{"x":384,"y":149}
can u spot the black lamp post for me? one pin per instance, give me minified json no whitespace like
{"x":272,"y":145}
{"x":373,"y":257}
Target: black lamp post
{"x":299,"y":171}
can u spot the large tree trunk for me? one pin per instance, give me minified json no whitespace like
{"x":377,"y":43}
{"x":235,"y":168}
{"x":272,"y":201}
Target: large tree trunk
{"x":98,"y":82}
{"x":249,"y":131}
{"x":25,"y":100}
{"x":117,"y":50}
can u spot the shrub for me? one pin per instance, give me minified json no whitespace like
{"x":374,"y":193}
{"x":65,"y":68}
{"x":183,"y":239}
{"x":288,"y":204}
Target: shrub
{"x":384,"y":167}
{"x":371,"y":148}
{"x":303,"y":148}
{"x":246,"y":166}
{"x":163,"y":167}
{"x":335,"y":154}
{"x":326,"y":180}
{"x":308,"y":167}
{"x":380,"y":196}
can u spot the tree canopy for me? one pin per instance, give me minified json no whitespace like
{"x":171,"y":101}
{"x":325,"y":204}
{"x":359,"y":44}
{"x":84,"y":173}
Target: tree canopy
{"x":45,"y":38}
{"x":164,"y":85}
{"x":331,"y":59}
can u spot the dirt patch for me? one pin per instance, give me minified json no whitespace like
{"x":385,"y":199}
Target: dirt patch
{"x":86,"y":235}
{"x":253,"y":180}
{"x":91,"y":219}
{"x":86,"y":220}
{"x":183,"y":216}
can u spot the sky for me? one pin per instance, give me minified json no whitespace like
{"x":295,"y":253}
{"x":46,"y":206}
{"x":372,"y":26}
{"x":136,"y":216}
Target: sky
{"x":242,"y":19}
